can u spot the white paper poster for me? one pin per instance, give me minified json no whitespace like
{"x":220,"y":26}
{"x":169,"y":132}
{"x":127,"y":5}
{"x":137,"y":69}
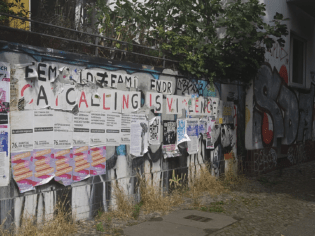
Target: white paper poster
{"x":139,"y":129}
{"x":131,"y":101}
{"x":181,"y":131}
{"x":43,"y":129}
{"x":4,"y":71}
{"x":98,"y":134}
{"x":81,"y":129}
{"x":22,"y":131}
{"x":125,"y":129}
{"x":215,"y":104}
{"x":154,"y":100}
{"x":4,"y":102}
{"x":192,"y":132}
{"x":63,"y":130}
{"x":4,"y":169}
{"x":113,"y":127}
{"x":155,"y":131}
{"x":210,"y":127}
{"x":202,"y":129}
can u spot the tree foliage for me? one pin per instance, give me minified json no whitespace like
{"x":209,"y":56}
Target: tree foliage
{"x":214,"y":39}
{"x":15,"y":7}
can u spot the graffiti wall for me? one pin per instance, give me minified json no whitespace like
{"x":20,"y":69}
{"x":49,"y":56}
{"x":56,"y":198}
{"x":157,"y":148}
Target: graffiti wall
{"x":73,"y":124}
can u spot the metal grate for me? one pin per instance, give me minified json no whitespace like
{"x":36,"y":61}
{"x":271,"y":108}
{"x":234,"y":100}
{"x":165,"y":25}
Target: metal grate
{"x":198,"y":218}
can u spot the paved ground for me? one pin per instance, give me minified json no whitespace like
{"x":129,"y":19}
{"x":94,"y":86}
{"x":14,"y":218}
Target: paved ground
{"x":271,"y":204}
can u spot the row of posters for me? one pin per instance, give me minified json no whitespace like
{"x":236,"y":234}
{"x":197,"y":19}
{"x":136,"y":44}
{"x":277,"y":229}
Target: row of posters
{"x":39,"y":166}
{"x":4,"y":123}
{"x":45,"y":128}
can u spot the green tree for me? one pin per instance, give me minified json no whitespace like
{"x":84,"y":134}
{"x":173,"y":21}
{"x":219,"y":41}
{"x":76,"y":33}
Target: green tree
{"x":214,"y":39}
{"x":13,"y":8}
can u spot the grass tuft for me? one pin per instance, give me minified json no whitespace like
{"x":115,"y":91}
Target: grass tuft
{"x":62,"y":223}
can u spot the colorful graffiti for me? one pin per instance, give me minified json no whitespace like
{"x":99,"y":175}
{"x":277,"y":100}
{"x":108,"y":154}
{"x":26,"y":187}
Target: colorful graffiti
{"x":280,"y":112}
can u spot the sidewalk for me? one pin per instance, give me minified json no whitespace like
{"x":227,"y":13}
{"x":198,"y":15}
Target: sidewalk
{"x":269,"y":205}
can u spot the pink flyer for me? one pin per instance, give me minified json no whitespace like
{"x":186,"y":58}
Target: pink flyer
{"x":81,"y":163}
{"x":22,"y":165}
{"x":43,"y":167}
{"x":63,"y":166}
{"x":98,"y":164}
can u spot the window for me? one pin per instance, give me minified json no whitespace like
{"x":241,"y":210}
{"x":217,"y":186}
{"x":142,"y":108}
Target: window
{"x":297,"y":61}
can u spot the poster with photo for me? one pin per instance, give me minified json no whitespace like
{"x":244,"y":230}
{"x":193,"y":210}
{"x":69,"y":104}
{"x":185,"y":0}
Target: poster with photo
{"x":211,"y":122}
{"x":202,"y":129}
{"x":169,"y":139}
{"x":193,"y":133}
{"x":140,"y":132}
{"x":4,"y":102}
{"x":155,"y":131}
{"x":181,"y":131}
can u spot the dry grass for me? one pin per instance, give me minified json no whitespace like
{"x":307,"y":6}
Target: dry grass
{"x":202,"y":183}
{"x":154,"y":199}
{"x":233,"y":176}
{"x":63,"y":223}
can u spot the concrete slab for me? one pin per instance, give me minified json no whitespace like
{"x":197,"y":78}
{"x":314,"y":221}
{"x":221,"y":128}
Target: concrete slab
{"x":176,"y":224}
{"x":162,"y":228}
{"x":218,"y":220}
{"x":304,"y":227}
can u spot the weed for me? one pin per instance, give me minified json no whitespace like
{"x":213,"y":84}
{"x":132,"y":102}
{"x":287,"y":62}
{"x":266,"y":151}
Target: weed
{"x":266,"y":182}
{"x":136,"y":210}
{"x":213,"y":207}
{"x":99,"y":227}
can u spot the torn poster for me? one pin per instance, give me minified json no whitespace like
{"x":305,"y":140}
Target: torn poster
{"x":202,"y":129}
{"x":63,"y":166}
{"x":155,"y":131}
{"x":4,"y":102}
{"x":22,"y":131}
{"x":4,"y":169}
{"x":81,"y":129}
{"x":139,"y":129}
{"x":4,"y":139}
{"x":181,"y":131}
{"x":215,"y":104}
{"x":43,"y":167}
{"x":27,"y":93}
{"x":43,"y":129}
{"x":192,"y":132}
{"x":125,"y":129}
{"x":22,"y":169}
{"x":4,"y":71}
{"x":154,"y":100}
{"x":97,"y":134}
{"x":113,"y":127}
{"x":228,"y":112}
{"x":211,"y":122}
{"x":63,"y":130}
{"x":81,"y":163}
{"x":98,"y":164}
{"x":131,"y":101}
{"x":169,"y":139}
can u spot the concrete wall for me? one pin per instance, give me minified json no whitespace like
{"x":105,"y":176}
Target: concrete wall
{"x":88,"y":196}
{"x":279,"y":115}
